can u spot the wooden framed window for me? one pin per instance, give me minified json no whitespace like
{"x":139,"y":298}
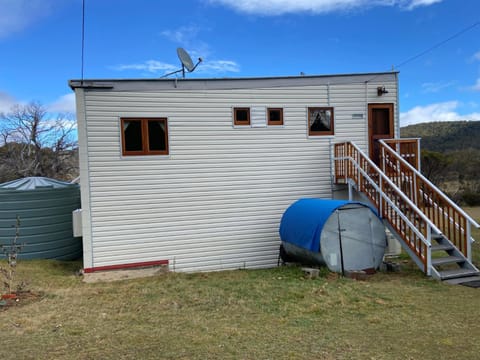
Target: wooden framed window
{"x":144,"y":136}
{"x":275,"y":116}
{"x":320,"y":121}
{"x":241,"y":116}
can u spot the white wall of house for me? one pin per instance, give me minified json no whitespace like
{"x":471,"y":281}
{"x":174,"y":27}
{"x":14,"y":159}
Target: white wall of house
{"x":216,"y":201}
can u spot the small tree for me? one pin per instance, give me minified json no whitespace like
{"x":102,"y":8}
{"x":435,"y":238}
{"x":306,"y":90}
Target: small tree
{"x":11,"y":251}
{"x":434,"y":165}
{"x":36,"y":143}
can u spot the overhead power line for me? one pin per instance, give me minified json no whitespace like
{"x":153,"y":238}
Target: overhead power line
{"x":437,"y":45}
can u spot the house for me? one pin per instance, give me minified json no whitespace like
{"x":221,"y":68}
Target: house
{"x":196,"y":173}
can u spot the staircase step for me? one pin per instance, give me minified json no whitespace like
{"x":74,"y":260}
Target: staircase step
{"x":445,"y":247}
{"x":457,"y":273}
{"x":459,"y":281}
{"x":447,"y":260}
{"x":438,"y":237}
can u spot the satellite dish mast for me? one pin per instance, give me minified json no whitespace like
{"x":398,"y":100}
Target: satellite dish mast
{"x":186,"y":61}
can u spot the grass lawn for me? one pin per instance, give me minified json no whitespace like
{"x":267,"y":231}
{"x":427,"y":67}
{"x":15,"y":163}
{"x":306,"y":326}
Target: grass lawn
{"x":244,"y":314}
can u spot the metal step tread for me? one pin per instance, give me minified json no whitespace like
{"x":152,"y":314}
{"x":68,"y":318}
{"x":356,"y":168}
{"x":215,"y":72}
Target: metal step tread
{"x":457,"y":273}
{"x":447,"y":260}
{"x":466,"y":279}
{"x":442,"y":247}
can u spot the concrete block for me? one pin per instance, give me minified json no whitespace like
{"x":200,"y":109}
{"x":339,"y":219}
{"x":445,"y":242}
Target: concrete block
{"x":310,"y":273}
{"x":356,"y":275}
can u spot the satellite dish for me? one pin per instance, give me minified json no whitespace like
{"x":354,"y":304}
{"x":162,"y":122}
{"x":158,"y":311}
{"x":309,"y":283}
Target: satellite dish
{"x":185,"y":59}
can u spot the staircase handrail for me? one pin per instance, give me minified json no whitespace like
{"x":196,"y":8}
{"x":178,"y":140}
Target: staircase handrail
{"x":429,"y":183}
{"x":392,"y":184}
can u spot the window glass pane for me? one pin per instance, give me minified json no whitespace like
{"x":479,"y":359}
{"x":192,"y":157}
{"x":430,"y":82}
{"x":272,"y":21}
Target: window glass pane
{"x":157,"y":135}
{"x":320,"y":119}
{"x":274,"y":115}
{"x":132,"y":132}
{"x":241,"y":114}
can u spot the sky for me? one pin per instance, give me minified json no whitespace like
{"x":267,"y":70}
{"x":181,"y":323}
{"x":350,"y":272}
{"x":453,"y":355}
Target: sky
{"x":435,"y":44}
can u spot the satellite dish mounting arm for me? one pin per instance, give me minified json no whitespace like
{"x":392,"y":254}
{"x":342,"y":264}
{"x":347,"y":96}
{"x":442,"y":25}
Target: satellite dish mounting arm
{"x":189,"y":70}
{"x":186,"y":61}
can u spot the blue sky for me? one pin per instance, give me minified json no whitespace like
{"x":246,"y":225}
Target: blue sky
{"x":40,"y":45}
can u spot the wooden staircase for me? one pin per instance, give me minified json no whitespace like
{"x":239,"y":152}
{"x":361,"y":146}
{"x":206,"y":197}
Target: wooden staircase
{"x":432,"y":229}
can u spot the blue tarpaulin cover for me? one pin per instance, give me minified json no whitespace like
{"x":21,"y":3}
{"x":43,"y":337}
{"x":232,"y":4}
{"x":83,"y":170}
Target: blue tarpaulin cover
{"x":303,"y":221}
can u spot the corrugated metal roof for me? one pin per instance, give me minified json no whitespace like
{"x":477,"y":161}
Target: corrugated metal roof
{"x":33,"y":183}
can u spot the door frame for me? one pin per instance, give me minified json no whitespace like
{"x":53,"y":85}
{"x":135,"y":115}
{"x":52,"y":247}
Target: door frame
{"x":391,"y":135}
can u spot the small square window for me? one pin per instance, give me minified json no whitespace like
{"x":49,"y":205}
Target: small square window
{"x":320,"y":121}
{"x":275,"y":116}
{"x":144,"y":136}
{"x":241,"y":116}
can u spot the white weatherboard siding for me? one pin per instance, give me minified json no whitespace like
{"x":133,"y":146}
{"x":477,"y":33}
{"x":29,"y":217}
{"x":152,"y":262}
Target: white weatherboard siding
{"x":216,"y":201}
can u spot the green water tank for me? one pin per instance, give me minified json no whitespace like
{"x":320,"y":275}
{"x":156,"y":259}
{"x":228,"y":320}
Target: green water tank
{"x":44,"y":207}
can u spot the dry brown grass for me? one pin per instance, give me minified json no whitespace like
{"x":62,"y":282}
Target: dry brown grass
{"x":263,"y":314}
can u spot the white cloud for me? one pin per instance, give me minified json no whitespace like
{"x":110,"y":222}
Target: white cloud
{"x":64,"y":104}
{"x":187,"y":36}
{"x":277,"y":7}
{"x":183,"y":35}
{"x":446,"y":111}
{"x":416,"y":3}
{"x":158,"y":68}
{"x":16,"y":15}
{"x":218,"y":66}
{"x":475,"y":57}
{"x":150,"y":66}
{"x":434,"y":87}
{"x":476,"y":87}
{"x":6,"y":102}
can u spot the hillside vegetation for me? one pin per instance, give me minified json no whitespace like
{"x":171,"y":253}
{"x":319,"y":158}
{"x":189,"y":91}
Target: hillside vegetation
{"x":451,"y":157}
{"x":446,"y":137}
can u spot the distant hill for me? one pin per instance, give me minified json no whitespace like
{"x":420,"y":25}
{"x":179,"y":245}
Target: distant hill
{"x":451,"y":157}
{"x":445,"y":136}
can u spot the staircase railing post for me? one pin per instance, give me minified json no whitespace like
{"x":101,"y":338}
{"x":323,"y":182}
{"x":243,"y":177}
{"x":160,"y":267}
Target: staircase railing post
{"x":469,"y":241}
{"x":380,"y":197}
{"x":383,"y":158}
{"x":415,"y":189}
{"x":429,"y":250}
{"x":419,"y":157}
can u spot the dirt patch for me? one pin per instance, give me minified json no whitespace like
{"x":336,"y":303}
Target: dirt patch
{"x":21,"y":298}
{"x":116,"y":275}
